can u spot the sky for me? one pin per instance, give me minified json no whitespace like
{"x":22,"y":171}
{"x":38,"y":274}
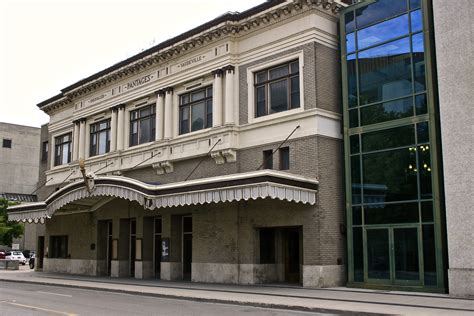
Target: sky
{"x":46,"y":46}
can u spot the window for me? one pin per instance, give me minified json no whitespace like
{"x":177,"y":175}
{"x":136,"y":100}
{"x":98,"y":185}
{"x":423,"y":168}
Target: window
{"x":284,"y":158}
{"x":62,"y":152}
{"x":195,"y":110}
{"x":268,"y":159}
{"x":44,"y":151}
{"x":277,"y":89}
{"x":7,"y":143}
{"x":100,"y":138}
{"x":58,"y":247}
{"x":267,"y":245}
{"x":142,"y":125}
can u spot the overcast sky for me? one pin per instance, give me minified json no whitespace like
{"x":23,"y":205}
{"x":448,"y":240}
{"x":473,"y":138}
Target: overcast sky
{"x":48,"y":45}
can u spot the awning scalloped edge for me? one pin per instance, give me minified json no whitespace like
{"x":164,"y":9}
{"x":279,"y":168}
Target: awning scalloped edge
{"x":252,"y":191}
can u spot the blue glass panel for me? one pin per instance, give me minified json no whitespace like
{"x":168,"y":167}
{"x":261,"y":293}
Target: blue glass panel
{"x":383,"y":32}
{"x":379,"y":10}
{"x":420,"y":104}
{"x":423,"y":132}
{"x":351,"y":81}
{"x":386,"y":111}
{"x":424,"y":161}
{"x":416,"y":21}
{"x":350,"y":21}
{"x":350,"y":42}
{"x":415,"y":4}
{"x":385,"y":72}
{"x":388,"y":138}
{"x":353,"y":118}
{"x":390,"y":176}
{"x":356,"y":180}
{"x":419,"y":62}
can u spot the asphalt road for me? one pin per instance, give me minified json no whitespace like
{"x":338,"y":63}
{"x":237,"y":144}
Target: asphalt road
{"x":35,"y":299}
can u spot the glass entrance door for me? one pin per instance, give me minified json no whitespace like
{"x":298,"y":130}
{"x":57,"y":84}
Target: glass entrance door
{"x":393,"y":255}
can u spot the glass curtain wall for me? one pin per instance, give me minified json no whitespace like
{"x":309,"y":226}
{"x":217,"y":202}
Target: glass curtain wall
{"x":392,"y":187}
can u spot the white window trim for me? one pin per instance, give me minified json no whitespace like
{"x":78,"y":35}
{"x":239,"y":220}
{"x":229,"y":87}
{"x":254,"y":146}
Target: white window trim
{"x":251,"y":89}
{"x":182,"y":90}
{"x":53,"y":151}
{"x":135,"y":105}
{"x":90,"y":121}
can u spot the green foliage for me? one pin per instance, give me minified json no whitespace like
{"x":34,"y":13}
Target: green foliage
{"x":8,"y":230}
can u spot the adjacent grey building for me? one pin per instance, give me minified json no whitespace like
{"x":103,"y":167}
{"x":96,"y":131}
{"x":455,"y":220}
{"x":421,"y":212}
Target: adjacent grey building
{"x":19,"y":166}
{"x":19,"y":163}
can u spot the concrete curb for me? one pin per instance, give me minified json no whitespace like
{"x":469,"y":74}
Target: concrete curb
{"x":198,"y":299}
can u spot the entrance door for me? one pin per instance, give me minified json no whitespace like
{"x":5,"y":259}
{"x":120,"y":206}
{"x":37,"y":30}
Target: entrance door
{"x":291,"y":251}
{"x":187,"y":246}
{"x":109,"y":247}
{"x":133,"y":250}
{"x":40,"y":253}
{"x":393,"y":255}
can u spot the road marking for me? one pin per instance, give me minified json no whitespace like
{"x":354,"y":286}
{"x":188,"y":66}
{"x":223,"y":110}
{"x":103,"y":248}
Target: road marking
{"x":50,"y":293}
{"x":39,"y":308}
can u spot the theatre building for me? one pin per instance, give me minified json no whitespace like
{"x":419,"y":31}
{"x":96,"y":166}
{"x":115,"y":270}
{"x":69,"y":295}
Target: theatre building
{"x":215,"y":156}
{"x":313,"y":142}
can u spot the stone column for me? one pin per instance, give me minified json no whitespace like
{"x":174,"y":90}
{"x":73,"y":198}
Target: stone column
{"x":75,"y":149}
{"x":171,"y":229}
{"x":217,"y":98}
{"x":120,"y":241}
{"x":120,"y":126}
{"x":168,"y":121}
{"x":113,"y":130}
{"x":160,"y":112}
{"x":229,"y":94}
{"x":82,"y":138}
{"x":144,"y":256}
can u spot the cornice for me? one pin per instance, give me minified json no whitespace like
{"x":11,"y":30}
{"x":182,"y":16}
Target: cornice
{"x":227,"y":29}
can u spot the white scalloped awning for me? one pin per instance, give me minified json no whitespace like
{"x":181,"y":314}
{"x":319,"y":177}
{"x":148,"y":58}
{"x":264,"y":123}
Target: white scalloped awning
{"x":243,"y":186}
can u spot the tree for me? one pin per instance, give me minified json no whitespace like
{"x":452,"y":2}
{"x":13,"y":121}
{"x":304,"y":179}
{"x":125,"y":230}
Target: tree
{"x":8,"y":229}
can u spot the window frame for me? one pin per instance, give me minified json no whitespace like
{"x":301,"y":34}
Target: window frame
{"x":7,"y":143}
{"x":44,"y":151}
{"x":97,"y":133}
{"x":284,"y":151}
{"x":267,"y":156}
{"x":139,"y":119}
{"x":251,"y":91}
{"x":55,"y":243}
{"x":59,"y":162}
{"x":268,"y":82}
{"x":207,"y":100}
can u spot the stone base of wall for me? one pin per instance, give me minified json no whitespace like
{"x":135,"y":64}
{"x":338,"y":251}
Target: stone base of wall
{"x":214,"y":273}
{"x":171,"y":271}
{"x":144,"y":269}
{"x":71,"y":266}
{"x":261,"y":273}
{"x":324,"y":276}
{"x":461,"y":282}
{"x":119,"y":269}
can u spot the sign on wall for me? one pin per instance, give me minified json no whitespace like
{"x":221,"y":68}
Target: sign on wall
{"x":165,"y":249}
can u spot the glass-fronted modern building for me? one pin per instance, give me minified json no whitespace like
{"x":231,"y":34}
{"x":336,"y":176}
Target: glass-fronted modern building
{"x":391,"y":132}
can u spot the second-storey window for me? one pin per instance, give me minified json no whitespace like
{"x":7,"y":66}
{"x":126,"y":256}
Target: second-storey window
{"x":62,"y":149}
{"x":142,"y":125}
{"x":277,"y":89}
{"x":195,"y":110}
{"x":100,"y":138}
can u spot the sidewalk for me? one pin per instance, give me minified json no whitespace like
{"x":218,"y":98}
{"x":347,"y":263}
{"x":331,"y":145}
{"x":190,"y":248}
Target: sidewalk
{"x":332,"y":300}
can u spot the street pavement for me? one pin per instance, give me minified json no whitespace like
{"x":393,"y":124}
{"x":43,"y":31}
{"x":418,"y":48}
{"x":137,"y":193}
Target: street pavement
{"x":279,"y":296}
{"x":37,"y":299}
